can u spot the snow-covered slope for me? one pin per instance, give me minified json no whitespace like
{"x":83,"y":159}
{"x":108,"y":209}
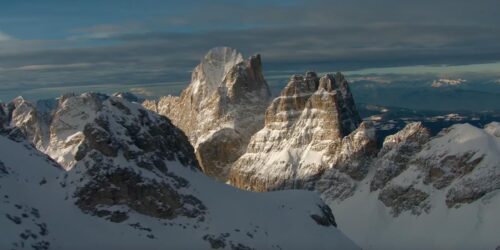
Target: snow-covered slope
{"x":130,"y":181}
{"x":439,"y":193}
{"x":221,"y":109}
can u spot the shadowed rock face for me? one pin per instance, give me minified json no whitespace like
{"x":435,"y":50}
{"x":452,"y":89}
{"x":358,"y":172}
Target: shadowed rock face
{"x":4,"y":119}
{"x":326,"y":217}
{"x":396,"y":153}
{"x":222,"y":108}
{"x":311,"y":129}
{"x":129,"y":189}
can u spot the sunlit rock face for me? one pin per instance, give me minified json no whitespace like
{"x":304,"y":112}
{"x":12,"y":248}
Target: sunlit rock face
{"x":311,"y":130}
{"x":221,"y":109}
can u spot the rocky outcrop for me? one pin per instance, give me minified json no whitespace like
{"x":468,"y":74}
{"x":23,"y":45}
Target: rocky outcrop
{"x":461,"y":160}
{"x":127,"y":188}
{"x":312,"y":129}
{"x":401,"y":199}
{"x":4,"y":119}
{"x":396,"y":153}
{"x":23,"y":115}
{"x":221,"y":109}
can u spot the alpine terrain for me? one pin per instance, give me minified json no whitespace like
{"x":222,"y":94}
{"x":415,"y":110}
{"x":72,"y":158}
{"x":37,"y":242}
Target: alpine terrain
{"x":123,"y":177}
{"x":364,"y":124}
{"x":131,"y":173}
{"x":314,"y":139}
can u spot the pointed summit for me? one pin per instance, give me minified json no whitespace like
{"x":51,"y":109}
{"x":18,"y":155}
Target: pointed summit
{"x":214,"y":67}
{"x":221,"y":108}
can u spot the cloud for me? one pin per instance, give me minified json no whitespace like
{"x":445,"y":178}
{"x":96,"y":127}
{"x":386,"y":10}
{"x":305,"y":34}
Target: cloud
{"x":53,"y":66}
{"x":375,"y":79}
{"x":447,"y":82}
{"x":104,"y":31}
{"x":292,"y":37}
{"x":170,"y":56}
{"x":4,"y":37}
{"x":141,"y":91}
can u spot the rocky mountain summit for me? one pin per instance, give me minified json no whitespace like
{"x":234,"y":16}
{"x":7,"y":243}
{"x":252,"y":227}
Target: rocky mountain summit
{"x":312,"y":130}
{"x":221,"y":109}
{"x":124,"y":176}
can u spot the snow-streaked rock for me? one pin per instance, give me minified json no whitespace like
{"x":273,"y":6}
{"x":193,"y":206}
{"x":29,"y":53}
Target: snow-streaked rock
{"x":221,"y":109}
{"x":396,"y":153}
{"x":131,"y":180}
{"x":310,"y":129}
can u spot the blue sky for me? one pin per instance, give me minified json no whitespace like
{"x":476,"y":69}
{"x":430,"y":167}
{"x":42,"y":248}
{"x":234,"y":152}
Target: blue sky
{"x":51,"y":47}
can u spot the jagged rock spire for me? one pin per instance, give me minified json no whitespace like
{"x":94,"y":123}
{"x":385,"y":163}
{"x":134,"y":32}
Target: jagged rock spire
{"x":221,"y":109}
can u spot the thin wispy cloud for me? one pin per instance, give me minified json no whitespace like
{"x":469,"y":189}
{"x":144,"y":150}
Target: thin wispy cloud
{"x":105,"y":31}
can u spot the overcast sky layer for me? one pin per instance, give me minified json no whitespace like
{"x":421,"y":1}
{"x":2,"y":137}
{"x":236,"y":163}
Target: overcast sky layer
{"x":150,"y":47}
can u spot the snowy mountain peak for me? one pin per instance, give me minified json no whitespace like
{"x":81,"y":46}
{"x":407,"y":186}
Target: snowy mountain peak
{"x":80,"y":124}
{"x":214,"y":67}
{"x":220,"y":109}
{"x":493,"y":128}
{"x":223,"y":56}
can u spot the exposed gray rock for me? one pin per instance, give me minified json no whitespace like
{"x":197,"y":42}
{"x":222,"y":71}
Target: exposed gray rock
{"x":326,"y":218}
{"x":127,"y":188}
{"x":401,"y":199}
{"x":472,"y":189}
{"x":396,"y":153}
